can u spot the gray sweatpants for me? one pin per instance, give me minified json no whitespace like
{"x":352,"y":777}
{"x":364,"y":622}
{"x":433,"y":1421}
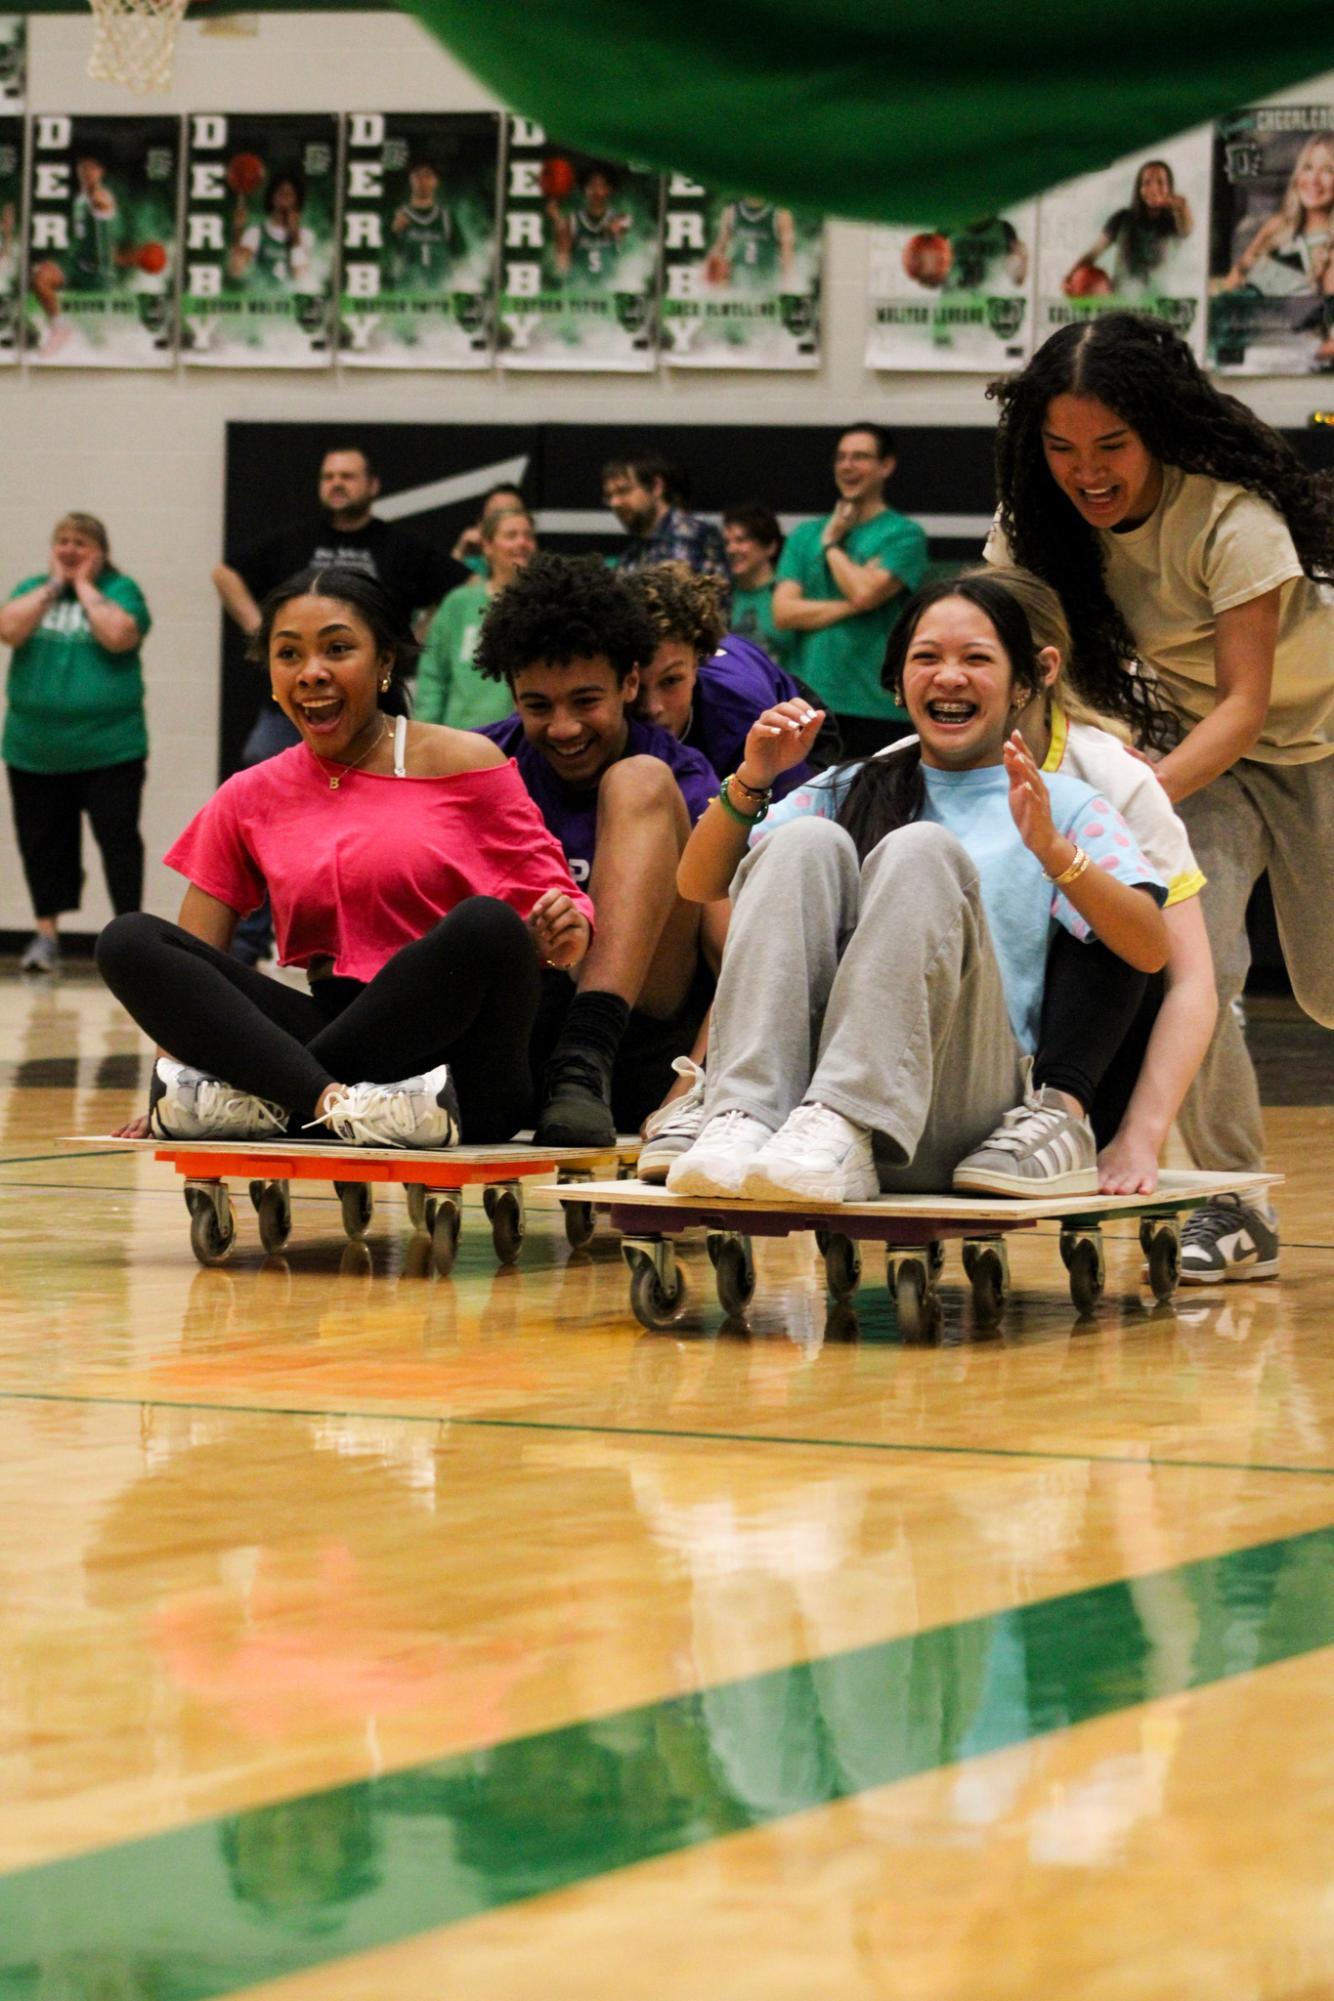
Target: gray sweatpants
{"x":871,"y":987}
{"x":1278,"y":817}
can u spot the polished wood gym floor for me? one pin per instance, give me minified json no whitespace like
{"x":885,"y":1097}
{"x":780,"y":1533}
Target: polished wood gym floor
{"x":370,"y":1634}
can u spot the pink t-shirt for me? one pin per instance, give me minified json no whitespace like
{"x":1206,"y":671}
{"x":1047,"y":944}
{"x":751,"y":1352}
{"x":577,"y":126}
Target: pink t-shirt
{"x":356,"y":874}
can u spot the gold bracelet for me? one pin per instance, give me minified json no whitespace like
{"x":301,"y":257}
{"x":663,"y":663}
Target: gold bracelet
{"x":1072,"y":873}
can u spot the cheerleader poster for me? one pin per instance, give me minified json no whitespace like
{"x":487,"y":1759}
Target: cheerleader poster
{"x":579,"y":258}
{"x":101,"y":241}
{"x":419,"y":240}
{"x":1133,"y":237}
{"x":959,"y":299}
{"x":261,"y":195}
{"x":742,"y":281}
{"x":1271,"y":272}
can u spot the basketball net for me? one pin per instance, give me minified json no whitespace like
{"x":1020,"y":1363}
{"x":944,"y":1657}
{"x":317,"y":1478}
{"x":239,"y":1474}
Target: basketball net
{"x":134,"y":41}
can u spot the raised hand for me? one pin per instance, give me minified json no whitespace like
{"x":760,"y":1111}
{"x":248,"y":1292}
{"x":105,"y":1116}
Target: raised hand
{"x":777,"y":740}
{"x":1030,"y":803}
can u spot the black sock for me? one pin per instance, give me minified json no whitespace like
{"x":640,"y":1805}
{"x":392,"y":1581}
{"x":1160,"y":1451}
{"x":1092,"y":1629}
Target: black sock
{"x":593,"y":1027}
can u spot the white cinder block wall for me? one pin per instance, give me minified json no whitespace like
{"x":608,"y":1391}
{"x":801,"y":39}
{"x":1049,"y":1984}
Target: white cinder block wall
{"x":146,"y":452}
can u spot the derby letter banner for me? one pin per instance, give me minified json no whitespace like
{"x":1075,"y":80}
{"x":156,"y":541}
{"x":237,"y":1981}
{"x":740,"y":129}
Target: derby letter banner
{"x":957,"y":299}
{"x":102,"y":241}
{"x":742,"y":286}
{"x":11,"y":247}
{"x":1133,"y":238}
{"x":419,"y":239}
{"x":1272,"y":272}
{"x":579,"y":264}
{"x":259,"y":229}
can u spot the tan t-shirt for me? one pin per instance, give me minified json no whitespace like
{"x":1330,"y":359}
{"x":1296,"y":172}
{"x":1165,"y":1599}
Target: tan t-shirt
{"x":1206,"y":548}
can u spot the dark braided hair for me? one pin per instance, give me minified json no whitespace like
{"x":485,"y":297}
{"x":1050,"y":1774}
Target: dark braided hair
{"x":1148,"y":376}
{"x":889,"y":792}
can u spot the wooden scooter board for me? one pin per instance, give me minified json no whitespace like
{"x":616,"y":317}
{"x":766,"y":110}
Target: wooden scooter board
{"x":428,"y":1167}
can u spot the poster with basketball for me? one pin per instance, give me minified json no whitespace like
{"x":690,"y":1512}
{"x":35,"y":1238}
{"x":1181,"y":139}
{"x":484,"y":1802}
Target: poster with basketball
{"x":741,"y":285}
{"x":954,"y":299}
{"x":101,"y":241}
{"x":419,"y":239}
{"x":11,"y":246}
{"x":579,"y":258}
{"x":261,"y":203}
{"x":1133,"y":237}
{"x":1271,"y":270}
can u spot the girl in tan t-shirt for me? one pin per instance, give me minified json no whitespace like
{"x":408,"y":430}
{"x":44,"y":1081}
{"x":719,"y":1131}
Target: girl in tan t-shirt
{"x":1193,"y":553}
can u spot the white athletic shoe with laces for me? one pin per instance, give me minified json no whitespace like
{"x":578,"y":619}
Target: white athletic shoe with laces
{"x":716,"y":1164}
{"x":1040,"y":1148}
{"x":416,"y":1111}
{"x":189,"y":1104}
{"x":675,"y":1126}
{"x":817,"y":1156}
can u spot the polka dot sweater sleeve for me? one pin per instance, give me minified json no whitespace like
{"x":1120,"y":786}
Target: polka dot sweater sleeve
{"x":1098,"y":828}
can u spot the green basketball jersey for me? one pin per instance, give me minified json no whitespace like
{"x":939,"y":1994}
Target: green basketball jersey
{"x":978,"y":254}
{"x":754,"y":243}
{"x":423,"y":250}
{"x":594,"y":248}
{"x":93,"y":246}
{"x":271,"y":258}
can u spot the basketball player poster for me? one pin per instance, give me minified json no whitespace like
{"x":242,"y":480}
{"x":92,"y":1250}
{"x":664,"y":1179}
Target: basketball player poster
{"x":260,"y":204}
{"x":13,"y":62}
{"x":1271,"y":263}
{"x":742,"y":281}
{"x":11,"y":245}
{"x":579,"y":258}
{"x":1133,"y":237}
{"x":419,"y":240}
{"x":101,"y":241}
{"x":954,"y":299}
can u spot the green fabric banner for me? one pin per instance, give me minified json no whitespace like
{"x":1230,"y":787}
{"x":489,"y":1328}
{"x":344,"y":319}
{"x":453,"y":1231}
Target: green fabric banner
{"x":895,"y":110}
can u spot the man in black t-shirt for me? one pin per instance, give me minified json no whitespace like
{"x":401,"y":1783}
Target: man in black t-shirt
{"x":347,"y":533}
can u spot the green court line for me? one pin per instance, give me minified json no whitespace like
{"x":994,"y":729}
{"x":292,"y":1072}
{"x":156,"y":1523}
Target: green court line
{"x":905,"y":1447}
{"x":236,"y":1900}
{"x":32,"y":1160}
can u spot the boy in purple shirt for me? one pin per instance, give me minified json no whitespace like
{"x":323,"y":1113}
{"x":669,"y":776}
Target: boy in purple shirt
{"x":569,"y":636}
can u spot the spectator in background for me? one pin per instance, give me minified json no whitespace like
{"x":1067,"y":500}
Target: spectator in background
{"x":753,"y":542}
{"x":468,"y":548}
{"x":346,"y":535}
{"x":704,"y":684}
{"x":646,"y":495}
{"x":448,"y":690}
{"x":840,"y":586}
{"x":75,"y":738}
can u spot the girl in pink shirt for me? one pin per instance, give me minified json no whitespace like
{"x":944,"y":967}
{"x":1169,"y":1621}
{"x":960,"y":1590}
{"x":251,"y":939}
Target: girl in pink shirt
{"x":411,"y":876}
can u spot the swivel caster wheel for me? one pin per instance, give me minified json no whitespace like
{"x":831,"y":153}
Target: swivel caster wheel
{"x":1160,"y":1241}
{"x":212,"y":1225}
{"x":1081,"y":1251}
{"x":504,"y":1205}
{"x":273,"y":1206}
{"x":988,"y":1270}
{"x":357,"y":1204}
{"x":734,"y":1269}
{"x":842,"y":1264}
{"x":443,"y":1217}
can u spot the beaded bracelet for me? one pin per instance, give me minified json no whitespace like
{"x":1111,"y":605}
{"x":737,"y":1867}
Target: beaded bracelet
{"x":1073,"y":872}
{"x":765,"y":792}
{"x":742,"y":819}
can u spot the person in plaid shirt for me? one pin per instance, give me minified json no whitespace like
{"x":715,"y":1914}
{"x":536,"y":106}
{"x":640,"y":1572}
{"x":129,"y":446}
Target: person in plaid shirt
{"x":644,"y":493}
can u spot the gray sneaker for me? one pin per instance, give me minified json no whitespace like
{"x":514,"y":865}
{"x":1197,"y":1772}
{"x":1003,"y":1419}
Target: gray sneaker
{"x":675,"y":1126}
{"x":1038,"y":1149}
{"x":1228,"y":1239}
{"x":416,"y":1111}
{"x":188,"y":1104}
{"x":42,"y":955}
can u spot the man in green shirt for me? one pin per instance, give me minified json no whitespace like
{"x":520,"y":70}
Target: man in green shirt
{"x":841,"y":583}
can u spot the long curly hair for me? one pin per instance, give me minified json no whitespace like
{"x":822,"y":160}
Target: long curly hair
{"x":1149,"y":377}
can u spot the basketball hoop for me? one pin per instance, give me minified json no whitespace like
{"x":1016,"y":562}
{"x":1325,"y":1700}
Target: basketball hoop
{"x":134,"y":41}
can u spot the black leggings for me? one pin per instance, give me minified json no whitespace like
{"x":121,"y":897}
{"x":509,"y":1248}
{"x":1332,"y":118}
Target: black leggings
{"x":48,"y":821}
{"x":465,"y":994}
{"x":1097,"y":1015}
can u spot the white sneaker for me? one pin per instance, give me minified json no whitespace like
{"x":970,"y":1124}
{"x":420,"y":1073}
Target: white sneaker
{"x":818,"y":1156}
{"x":416,"y":1111}
{"x":188,"y":1104}
{"x":716,"y":1164}
{"x":1040,"y":1148}
{"x":674,"y":1126}
{"x":42,"y":955}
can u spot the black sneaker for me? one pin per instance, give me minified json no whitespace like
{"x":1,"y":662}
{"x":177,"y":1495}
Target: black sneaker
{"x":576,"y":1108}
{"x":1228,"y":1239}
